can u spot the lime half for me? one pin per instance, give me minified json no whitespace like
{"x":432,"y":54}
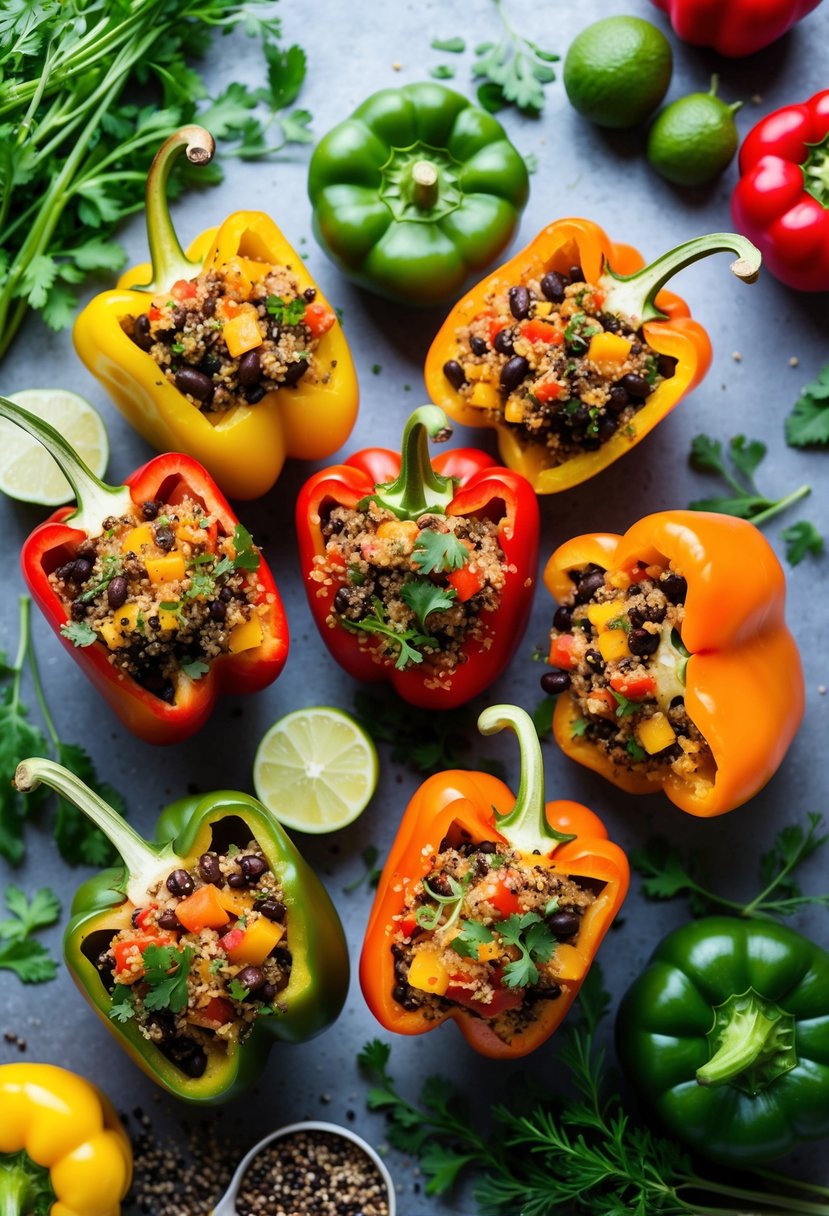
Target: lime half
{"x":315,"y":769}
{"x":27,"y":471}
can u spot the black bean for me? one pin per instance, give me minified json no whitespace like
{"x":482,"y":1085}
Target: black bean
{"x":454,"y":373}
{"x":77,"y":571}
{"x":164,"y":538}
{"x":266,"y":993}
{"x":619,"y":399}
{"x":576,"y":274}
{"x":225,"y":595}
{"x":342,"y":600}
{"x":607,"y":428}
{"x":486,"y":846}
{"x":250,"y":368}
{"x":283,"y":957}
{"x":601,"y":729}
{"x":400,"y":993}
{"x":519,"y":302}
{"x":589,"y":585}
{"x":189,"y":1057}
{"x":136,"y":912}
{"x":166,"y":692}
{"x":273,"y":909}
{"x":141,"y":335}
{"x":180,"y":883}
{"x":641,"y":642}
{"x":580,"y":416}
{"x":647,"y":612}
{"x":310,"y":294}
{"x":577,"y":345}
{"x":210,"y":365}
{"x":254,"y":394}
{"x":295,"y":372}
{"x":564,"y":923}
{"x":674,"y":587}
{"x":236,"y":881}
{"x":210,"y":870}
{"x":178,"y":317}
{"x":190,"y":380}
{"x":439,"y":883}
{"x":636,"y":386}
{"x":513,"y":372}
{"x":477,"y":345}
{"x":594,"y":660}
{"x":218,"y":610}
{"x":208,"y":308}
{"x":554,"y":682}
{"x":563,"y":619}
{"x":78,"y":610}
{"x":503,"y":342}
{"x":611,"y":324}
{"x":117,"y":591}
{"x":252,"y":867}
{"x":162,"y":1022}
{"x":251,"y":978}
{"x":666,"y":365}
{"x":168,"y":920}
{"x":676,"y":702}
{"x":150,"y":508}
{"x":552,"y":285}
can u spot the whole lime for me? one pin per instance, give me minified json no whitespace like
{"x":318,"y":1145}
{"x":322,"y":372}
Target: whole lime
{"x":693,"y":139}
{"x":617,"y":71}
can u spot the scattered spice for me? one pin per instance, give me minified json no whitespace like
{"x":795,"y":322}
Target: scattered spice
{"x":169,"y":1180}
{"x":316,"y":1173}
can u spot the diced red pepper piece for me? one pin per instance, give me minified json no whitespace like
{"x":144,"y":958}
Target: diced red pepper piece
{"x":608,"y":703}
{"x":548,"y":390}
{"x":232,"y":939}
{"x":502,"y":898}
{"x":408,"y":925}
{"x":318,"y":319}
{"x":143,"y":919}
{"x":219,"y":1010}
{"x":495,"y":327}
{"x":502,"y":1000}
{"x":466,"y":582}
{"x":542,"y":331}
{"x":635,"y":688}
{"x":155,"y":313}
{"x":562,"y":652}
{"x":123,"y":953}
{"x":183,"y":289}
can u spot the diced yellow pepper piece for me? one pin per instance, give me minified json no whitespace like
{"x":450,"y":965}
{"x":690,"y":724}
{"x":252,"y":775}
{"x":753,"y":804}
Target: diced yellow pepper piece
{"x":514,"y":410}
{"x":489,"y":951}
{"x":543,"y":308}
{"x":242,"y":333}
{"x":485,"y":396}
{"x":404,"y":530}
{"x":613,"y":644}
{"x":167,"y":620}
{"x":568,"y":963}
{"x":601,"y":615}
{"x":619,"y":579}
{"x":428,"y":973}
{"x":138,"y":538}
{"x":655,"y":733}
{"x":608,"y":348}
{"x":245,"y":636}
{"x":165,"y":569}
{"x":260,"y":938}
{"x":476,"y":371}
{"x":238,"y":902}
{"x":116,"y":631}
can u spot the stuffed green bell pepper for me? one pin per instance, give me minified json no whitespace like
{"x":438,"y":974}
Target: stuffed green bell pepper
{"x":416,"y":190}
{"x":726,"y":1034}
{"x":206,"y":946}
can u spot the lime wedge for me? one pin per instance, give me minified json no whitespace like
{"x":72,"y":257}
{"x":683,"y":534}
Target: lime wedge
{"x":315,"y":769}
{"x":27,"y":471}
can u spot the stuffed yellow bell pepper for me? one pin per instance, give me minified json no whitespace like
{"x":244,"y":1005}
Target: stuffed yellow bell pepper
{"x":229,"y":353}
{"x":62,"y":1147}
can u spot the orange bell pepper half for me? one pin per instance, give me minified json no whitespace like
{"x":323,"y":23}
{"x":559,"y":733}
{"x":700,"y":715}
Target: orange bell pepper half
{"x":476,"y":807}
{"x":631,"y":291}
{"x":743,"y":681}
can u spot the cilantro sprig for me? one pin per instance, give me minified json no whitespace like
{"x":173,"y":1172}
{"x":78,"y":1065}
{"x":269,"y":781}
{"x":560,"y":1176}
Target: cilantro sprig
{"x":424,"y":598}
{"x":166,"y":971}
{"x":535,"y":940}
{"x":29,"y":960}
{"x":405,"y":640}
{"x":515,"y":70}
{"x":438,"y":551}
{"x":808,"y":423}
{"x":79,"y":633}
{"x":471,"y":937}
{"x":286,"y":312}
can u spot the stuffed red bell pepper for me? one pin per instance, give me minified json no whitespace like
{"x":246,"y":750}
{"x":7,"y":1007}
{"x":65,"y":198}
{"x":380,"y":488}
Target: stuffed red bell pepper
{"x":418,"y":573}
{"x":155,"y":589}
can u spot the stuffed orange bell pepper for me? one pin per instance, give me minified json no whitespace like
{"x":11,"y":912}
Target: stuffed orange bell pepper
{"x":672,"y":659}
{"x":62,"y":1147}
{"x":490,"y":907}
{"x":230,"y":353}
{"x":572,"y":351}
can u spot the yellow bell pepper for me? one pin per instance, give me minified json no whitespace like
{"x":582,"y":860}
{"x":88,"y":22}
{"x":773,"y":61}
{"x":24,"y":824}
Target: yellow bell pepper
{"x":244,"y":447}
{"x":61,"y":1139}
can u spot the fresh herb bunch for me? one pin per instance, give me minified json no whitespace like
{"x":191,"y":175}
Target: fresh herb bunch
{"x":75,"y":150}
{"x":737,"y":469}
{"x":78,"y":841}
{"x":580,"y":1154}
{"x":666,"y":875}
{"x":29,"y":960}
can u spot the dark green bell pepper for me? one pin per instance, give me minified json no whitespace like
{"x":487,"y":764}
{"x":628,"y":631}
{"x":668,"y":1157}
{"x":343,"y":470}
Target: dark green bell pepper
{"x":414,"y":191}
{"x":726,"y":1035}
{"x":104,"y":904}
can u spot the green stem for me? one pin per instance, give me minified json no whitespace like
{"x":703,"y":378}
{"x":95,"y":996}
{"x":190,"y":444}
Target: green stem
{"x":40,"y":696}
{"x":168,"y":257}
{"x":425,"y":185}
{"x":22,"y":1185}
{"x":790,"y":1206}
{"x":525,"y":826}
{"x":754,"y":1038}
{"x":418,"y":489}
{"x":95,"y":499}
{"x":632,"y":295}
{"x":797,"y":1184}
{"x":20,"y":657}
{"x":777,"y":507}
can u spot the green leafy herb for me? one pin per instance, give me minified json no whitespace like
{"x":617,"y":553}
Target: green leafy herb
{"x":122,"y":1003}
{"x":625,"y":708}
{"x":801,"y":539}
{"x":237,"y":991}
{"x":286,"y":312}
{"x":79,"y":841}
{"x":165,"y":973}
{"x":577,"y":728}
{"x":636,"y":752}
{"x":442,"y":71}
{"x":542,"y":716}
{"x":737,"y":470}
{"x":472,"y":935}
{"x":28,"y":959}
{"x":620,"y":622}
{"x":111,"y":565}
{"x":194,"y":669}
{"x":453,"y":46}
{"x":247,"y":555}
{"x":580,"y":326}
{"x":405,"y":640}
{"x":79,"y":633}
{"x":534,"y":938}
{"x":372,"y":872}
{"x":666,"y":875}
{"x":448,"y":905}
{"x":808,"y":423}
{"x":424,"y":598}
{"x":515,"y":70}
{"x":438,"y":551}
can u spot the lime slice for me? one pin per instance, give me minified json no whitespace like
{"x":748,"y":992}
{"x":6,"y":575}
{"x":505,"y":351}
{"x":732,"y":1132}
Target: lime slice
{"x":27,"y":471}
{"x":316,"y":769}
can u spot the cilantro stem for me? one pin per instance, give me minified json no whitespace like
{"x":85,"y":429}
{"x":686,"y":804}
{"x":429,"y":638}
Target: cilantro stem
{"x":20,"y":657}
{"x":40,"y":696}
{"x":782,"y":504}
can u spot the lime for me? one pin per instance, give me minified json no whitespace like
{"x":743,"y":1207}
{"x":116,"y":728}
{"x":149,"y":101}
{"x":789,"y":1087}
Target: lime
{"x":693,"y":139}
{"x":27,"y":471}
{"x":316,"y":769}
{"x":617,"y":71}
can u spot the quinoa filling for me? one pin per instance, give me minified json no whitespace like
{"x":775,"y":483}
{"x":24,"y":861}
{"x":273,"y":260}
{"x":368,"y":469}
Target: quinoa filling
{"x":233,"y":334}
{"x":204,"y":958}
{"x":165,"y":591}
{"x":544,"y":359}
{"x":616,"y":649}
{"x":420,"y":588}
{"x":480,"y":932}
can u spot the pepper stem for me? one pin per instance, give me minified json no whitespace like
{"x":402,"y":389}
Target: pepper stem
{"x":752,"y":1043}
{"x":96,"y":500}
{"x":23,"y":1185}
{"x":632,"y":295}
{"x":425,"y":184}
{"x":143,"y":862}
{"x":168,"y":257}
{"x":419,"y":488}
{"x":525,"y":826}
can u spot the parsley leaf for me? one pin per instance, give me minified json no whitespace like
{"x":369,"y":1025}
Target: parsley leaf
{"x":237,"y":991}
{"x":542,"y":715}
{"x":286,"y":312}
{"x":802,"y":538}
{"x":79,"y":633}
{"x":578,"y":728}
{"x":472,"y":935}
{"x":424,"y":598}
{"x":18,"y":739}
{"x":194,"y":669}
{"x":536,"y":941}
{"x":29,"y":960}
{"x":453,"y":46}
{"x":247,"y":555}
{"x":808,"y":422}
{"x":515,"y":70}
{"x":406,"y":640}
{"x":165,"y":972}
{"x":437,"y":551}
{"x":122,"y":1003}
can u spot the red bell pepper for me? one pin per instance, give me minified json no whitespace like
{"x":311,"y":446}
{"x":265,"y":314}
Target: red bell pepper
{"x":167,"y":478}
{"x":734,"y":27}
{"x":463,"y":482}
{"x":782,"y":198}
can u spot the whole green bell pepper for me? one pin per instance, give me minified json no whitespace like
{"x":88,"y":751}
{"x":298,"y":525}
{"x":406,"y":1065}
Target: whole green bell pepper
{"x":726,"y":1034}
{"x":103,"y":905}
{"x":414,"y":191}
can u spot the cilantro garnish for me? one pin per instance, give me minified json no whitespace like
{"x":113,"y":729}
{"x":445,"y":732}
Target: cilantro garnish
{"x":194,"y":669}
{"x":802,"y":538}
{"x":624,"y":707}
{"x":581,"y":326}
{"x":536,"y":941}
{"x":424,"y":598}
{"x":111,"y":565}
{"x":578,"y":727}
{"x":453,"y":46}
{"x":165,"y":973}
{"x":430,"y":917}
{"x":435,"y":551}
{"x":79,"y":633}
{"x":247,"y":555}
{"x":29,"y":960}
{"x":808,"y":422}
{"x":407,"y":640}
{"x":286,"y":312}
{"x":122,"y":1003}
{"x":515,"y":70}
{"x":472,"y":935}
{"x":635,"y":751}
{"x":237,"y":991}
